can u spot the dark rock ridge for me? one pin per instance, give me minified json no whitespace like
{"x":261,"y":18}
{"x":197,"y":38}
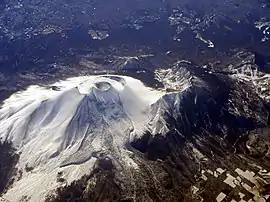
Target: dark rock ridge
{"x":216,"y":147}
{"x":8,"y":161}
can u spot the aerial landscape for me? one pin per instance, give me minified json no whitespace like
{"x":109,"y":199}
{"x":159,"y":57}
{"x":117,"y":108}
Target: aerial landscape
{"x":134,"y":100}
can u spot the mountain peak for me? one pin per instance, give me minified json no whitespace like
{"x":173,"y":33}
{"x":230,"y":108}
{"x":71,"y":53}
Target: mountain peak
{"x":73,"y":123}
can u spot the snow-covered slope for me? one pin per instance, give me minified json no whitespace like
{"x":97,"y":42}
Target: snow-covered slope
{"x":62,"y":128}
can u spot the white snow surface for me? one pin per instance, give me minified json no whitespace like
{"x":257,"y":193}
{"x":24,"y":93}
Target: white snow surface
{"x":58,"y":128}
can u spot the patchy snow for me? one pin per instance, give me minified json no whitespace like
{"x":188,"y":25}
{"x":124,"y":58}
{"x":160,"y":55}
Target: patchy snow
{"x":64,"y":126}
{"x":220,"y":197}
{"x":230,"y":180}
{"x":210,"y":43}
{"x":251,"y":74}
{"x":264,"y":27}
{"x":174,"y":80}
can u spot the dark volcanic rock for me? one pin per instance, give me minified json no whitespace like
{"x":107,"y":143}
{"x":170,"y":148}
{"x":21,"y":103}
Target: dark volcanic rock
{"x":8,"y":161}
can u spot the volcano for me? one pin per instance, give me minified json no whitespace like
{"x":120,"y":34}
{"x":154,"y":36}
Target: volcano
{"x":112,"y":138}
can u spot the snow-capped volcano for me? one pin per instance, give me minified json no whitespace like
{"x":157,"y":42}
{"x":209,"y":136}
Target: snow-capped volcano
{"x":111,"y":138}
{"x":70,"y":123}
